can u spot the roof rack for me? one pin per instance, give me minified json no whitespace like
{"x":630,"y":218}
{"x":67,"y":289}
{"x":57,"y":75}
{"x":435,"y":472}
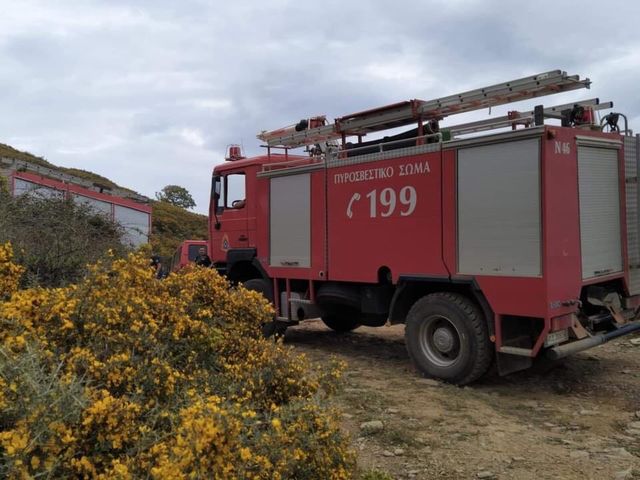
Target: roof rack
{"x":404,"y":113}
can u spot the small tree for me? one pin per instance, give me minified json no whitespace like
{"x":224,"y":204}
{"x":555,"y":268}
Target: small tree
{"x":176,"y":195}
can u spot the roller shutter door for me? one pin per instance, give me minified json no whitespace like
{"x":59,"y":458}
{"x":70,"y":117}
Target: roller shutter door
{"x":631,"y":160}
{"x":499,"y":224}
{"x":600,"y":232}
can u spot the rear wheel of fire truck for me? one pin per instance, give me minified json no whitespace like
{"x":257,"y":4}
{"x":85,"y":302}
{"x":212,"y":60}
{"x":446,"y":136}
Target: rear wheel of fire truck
{"x":343,"y":321}
{"x":447,"y":338}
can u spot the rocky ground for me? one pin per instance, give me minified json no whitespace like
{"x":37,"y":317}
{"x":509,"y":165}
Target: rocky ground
{"x":578,"y":421}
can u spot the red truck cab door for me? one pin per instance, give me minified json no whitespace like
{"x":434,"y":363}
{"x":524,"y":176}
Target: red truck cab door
{"x":231,"y":228}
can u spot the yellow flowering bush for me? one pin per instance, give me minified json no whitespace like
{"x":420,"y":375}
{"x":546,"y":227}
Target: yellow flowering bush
{"x":10,"y":273}
{"x":124,"y":376}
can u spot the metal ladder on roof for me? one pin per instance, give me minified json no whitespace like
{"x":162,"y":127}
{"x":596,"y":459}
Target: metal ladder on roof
{"x":523,"y":118}
{"x":404,"y":113}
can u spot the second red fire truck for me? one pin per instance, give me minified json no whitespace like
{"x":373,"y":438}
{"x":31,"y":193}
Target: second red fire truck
{"x":509,"y":245}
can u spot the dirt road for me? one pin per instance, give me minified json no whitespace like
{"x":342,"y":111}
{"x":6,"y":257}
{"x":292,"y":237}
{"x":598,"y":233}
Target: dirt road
{"x":578,"y":421}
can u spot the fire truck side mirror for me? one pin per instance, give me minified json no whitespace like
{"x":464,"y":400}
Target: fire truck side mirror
{"x":216,"y":189}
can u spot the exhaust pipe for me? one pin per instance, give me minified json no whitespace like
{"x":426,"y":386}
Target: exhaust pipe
{"x":561,"y":351}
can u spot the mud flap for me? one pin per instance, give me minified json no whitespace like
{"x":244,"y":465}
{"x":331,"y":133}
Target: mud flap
{"x":508,"y":363}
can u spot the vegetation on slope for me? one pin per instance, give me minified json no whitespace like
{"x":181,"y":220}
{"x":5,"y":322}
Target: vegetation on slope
{"x":172,"y":225}
{"x":10,"y":152}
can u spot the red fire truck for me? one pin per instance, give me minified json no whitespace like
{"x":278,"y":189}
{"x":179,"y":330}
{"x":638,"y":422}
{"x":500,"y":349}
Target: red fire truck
{"x":508,"y":245}
{"x":186,"y":253}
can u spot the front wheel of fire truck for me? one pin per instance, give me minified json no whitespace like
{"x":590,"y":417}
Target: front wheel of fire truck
{"x":343,"y":321}
{"x":447,"y":338}
{"x":260,"y":285}
{"x":274,"y":328}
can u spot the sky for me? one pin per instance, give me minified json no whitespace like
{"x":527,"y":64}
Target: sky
{"x":150,"y":93}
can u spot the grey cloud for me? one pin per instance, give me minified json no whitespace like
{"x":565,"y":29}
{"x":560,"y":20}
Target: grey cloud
{"x":151,"y":92}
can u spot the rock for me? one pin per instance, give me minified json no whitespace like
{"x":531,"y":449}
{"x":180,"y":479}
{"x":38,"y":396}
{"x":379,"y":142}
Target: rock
{"x":588,"y":412}
{"x":348,"y":416}
{"x":579,"y":454}
{"x":633,"y":432}
{"x":429,"y":382}
{"x":398,"y":452}
{"x":374,"y":426}
{"x":549,"y":424}
{"x":626,"y":371}
{"x":634,"y":425}
{"x":413,"y":473}
{"x":624,"y":474}
{"x":352,"y":390}
{"x":485,"y":474}
{"x":518,"y":459}
{"x":619,"y":452}
{"x":597,"y":450}
{"x":638,"y":414}
{"x":393,"y":410}
{"x":387,"y":453}
{"x":635,"y":342}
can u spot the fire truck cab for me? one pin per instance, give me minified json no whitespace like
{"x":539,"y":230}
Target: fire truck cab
{"x":186,"y":253}
{"x":507,"y":246}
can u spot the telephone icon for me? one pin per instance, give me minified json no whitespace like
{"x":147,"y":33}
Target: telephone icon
{"x":356,"y":196}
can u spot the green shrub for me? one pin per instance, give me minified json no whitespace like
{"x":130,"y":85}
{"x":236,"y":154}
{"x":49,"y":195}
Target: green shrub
{"x":55,"y":238}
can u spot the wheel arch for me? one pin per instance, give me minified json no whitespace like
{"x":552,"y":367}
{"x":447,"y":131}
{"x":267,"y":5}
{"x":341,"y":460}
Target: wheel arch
{"x":243,"y":265}
{"x":411,"y":289}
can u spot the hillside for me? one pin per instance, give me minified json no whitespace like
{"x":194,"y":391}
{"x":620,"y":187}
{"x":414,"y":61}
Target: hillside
{"x":171,"y":224}
{"x":10,"y":152}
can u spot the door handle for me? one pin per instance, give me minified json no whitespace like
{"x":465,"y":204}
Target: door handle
{"x":243,"y":238}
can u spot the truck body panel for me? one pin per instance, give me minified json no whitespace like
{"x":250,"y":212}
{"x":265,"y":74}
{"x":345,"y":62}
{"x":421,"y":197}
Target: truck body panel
{"x":537,"y":227}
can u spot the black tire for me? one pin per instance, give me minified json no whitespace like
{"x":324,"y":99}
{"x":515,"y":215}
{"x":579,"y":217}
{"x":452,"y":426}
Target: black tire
{"x":447,"y":337}
{"x":341,"y":322}
{"x":262,"y":286}
{"x":274,"y":328}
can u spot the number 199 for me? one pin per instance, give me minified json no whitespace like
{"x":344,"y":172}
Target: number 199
{"x":388,"y":201}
